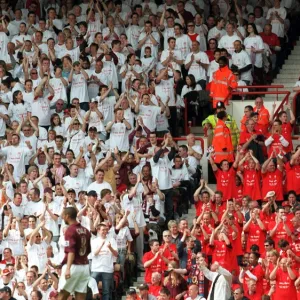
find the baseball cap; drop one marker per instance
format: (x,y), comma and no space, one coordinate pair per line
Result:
(143,286)
(286,203)
(220,104)
(270,194)
(93,128)
(6,289)
(71,191)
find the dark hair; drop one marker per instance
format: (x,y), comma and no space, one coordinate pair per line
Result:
(51,120)
(254,28)
(15,97)
(193,81)
(165,291)
(152,242)
(71,212)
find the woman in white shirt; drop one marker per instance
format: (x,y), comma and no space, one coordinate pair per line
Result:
(56,125)
(18,109)
(254,46)
(190,86)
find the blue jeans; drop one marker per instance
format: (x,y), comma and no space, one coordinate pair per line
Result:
(107,280)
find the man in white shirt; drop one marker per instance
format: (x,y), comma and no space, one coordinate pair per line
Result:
(197,63)
(72,181)
(218,31)
(276,16)
(148,38)
(37,247)
(16,155)
(171,55)
(104,254)
(99,184)
(241,59)
(227,40)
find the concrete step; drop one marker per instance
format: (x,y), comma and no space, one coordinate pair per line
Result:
(288,75)
(294,56)
(291,71)
(285,80)
(289,66)
(290,62)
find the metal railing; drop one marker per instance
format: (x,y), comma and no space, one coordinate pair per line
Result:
(260,90)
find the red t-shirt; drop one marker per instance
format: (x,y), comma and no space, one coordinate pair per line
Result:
(256,236)
(252,184)
(287,129)
(154,290)
(280,233)
(210,54)
(293,177)
(270,39)
(259,273)
(157,266)
(226,182)
(222,254)
(275,145)
(285,288)
(78,241)
(193,36)
(272,181)
(167,253)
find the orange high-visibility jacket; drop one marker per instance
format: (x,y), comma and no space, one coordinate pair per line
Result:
(222,143)
(263,117)
(222,82)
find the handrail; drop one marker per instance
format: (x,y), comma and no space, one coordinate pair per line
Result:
(285,99)
(294,104)
(197,138)
(187,123)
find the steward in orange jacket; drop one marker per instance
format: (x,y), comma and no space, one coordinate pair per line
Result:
(222,143)
(223,82)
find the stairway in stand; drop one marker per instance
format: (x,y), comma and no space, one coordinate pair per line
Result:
(190,216)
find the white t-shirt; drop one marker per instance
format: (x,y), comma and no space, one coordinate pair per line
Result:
(119,137)
(98,187)
(123,236)
(104,261)
(106,107)
(212,33)
(14,241)
(134,206)
(59,88)
(149,43)
(133,33)
(3,111)
(74,183)
(37,255)
(241,60)
(51,224)
(161,172)
(41,109)
(227,42)
(149,114)
(19,111)
(165,89)
(257,43)
(195,69)
(75,140)
(34,208)
(183,44)
(16,156)
(79,88)
(277,27)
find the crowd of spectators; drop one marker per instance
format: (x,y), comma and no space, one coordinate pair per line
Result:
(92,98)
